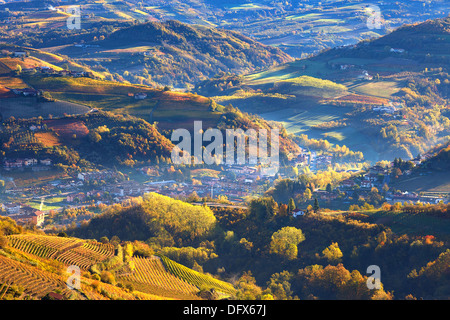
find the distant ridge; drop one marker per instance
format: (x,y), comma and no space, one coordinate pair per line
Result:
(194,52)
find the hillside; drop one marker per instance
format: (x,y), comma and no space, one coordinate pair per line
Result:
(298,28)
(89,141)
(431,176)
(38,58)
(33,266)
(388,86)
(285,252)
(177,54)
(167,109)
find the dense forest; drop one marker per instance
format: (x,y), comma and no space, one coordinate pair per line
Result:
(85,141)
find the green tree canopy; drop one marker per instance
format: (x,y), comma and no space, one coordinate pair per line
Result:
(284,242)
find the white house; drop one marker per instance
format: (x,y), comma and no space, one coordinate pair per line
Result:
(19,53)
(396,50)
(140,96)
(297,212)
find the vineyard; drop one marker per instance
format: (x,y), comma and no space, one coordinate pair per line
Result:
(149,275)
(150,278)
(196,278)
(69,251)
(36,283)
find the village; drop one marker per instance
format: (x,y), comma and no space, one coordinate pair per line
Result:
(231,187)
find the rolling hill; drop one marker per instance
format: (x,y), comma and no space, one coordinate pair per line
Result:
(295,27)
(173,53)
(33,266)
(168,110)
(432,176)
(392,81)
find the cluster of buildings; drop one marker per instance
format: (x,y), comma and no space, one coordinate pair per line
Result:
(313,160)
(26,92)
(319,162)
(413,197)
(33,163)
(391,107)
(23,214)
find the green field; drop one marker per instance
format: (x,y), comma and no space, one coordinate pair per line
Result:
(435,182)
(54,203)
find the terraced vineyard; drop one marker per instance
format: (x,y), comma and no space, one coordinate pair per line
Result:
(196,278)
(150,275)
(69,251)
(152,278)
(37,283)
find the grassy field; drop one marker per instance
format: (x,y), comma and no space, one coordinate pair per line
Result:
(54,203)
(67,127)
(435,182)
(381,89)
(301,121)
(29,62)
(12,82)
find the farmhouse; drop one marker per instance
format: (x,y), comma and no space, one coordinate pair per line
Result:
(76,197)
(29,215)
(13,163)
(27,92)
(29,162)
(20,53)
(46,69)
(140,96)
(348,183)
(297,212)
(397,50)
(365,76)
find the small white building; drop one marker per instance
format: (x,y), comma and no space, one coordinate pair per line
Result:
(20,53)
(397,50)
(297,212)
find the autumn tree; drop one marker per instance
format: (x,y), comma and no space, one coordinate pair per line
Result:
(279,285)
(333,253)
(291,205)
(247,288)
(284,242)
